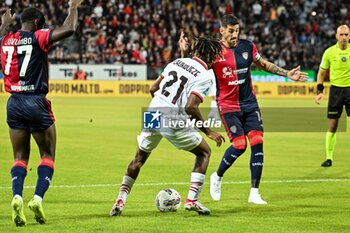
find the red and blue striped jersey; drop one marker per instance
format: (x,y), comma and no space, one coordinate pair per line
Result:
(235,91)
(24,61)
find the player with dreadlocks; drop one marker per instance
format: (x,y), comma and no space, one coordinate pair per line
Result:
(179,90)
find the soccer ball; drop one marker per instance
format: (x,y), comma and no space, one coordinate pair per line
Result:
(168,200)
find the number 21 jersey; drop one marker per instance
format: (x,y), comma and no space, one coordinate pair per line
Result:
(24,61)
(181,78)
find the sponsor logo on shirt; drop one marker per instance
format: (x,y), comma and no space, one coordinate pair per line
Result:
(236,82)
(22,88)
(227,72)
(241,71)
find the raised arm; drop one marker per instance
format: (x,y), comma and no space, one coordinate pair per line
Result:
(6,20)
(183,44)
(70,24)
(192,109)
(293,74)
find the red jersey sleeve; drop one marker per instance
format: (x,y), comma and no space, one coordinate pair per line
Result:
(43,37)
(256,54)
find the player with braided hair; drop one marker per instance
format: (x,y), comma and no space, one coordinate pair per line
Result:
(179,89)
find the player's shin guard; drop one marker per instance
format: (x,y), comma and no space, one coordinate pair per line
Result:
(256,164)
(45,173)
(230,156)
(18,173)
(197,180)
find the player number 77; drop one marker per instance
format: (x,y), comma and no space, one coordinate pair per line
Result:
(20,49)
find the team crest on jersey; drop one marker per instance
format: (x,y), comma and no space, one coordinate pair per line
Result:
(233,129)
(343,59)
(227,72)
(245,55)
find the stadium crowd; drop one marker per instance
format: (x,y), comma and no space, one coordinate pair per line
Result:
(147,31)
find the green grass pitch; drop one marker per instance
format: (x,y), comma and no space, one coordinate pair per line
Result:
(97,140)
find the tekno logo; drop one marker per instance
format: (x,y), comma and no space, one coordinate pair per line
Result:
(152,120)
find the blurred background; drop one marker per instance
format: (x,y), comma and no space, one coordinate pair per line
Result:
(146,32)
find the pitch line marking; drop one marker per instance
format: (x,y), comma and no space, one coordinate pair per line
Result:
(186,183)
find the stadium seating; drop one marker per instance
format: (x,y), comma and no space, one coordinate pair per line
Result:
(146,32)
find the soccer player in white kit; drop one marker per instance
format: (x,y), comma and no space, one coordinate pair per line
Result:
(177,93)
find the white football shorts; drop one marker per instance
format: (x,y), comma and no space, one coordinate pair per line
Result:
(182,139)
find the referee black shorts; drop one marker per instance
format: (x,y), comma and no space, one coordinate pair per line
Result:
(338,98)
